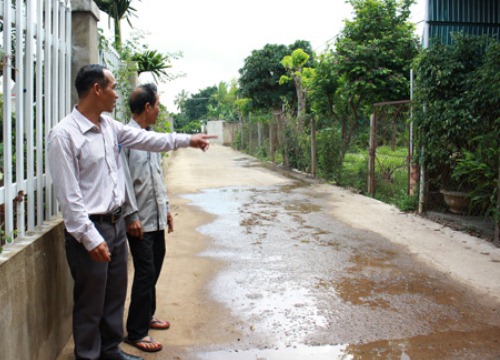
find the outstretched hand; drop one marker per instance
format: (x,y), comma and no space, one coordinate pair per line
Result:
(200,141)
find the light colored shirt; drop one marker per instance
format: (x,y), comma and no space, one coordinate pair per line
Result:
(85,168)
(148,200)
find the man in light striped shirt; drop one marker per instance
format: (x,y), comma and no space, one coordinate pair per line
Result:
(83,152)
(148,217)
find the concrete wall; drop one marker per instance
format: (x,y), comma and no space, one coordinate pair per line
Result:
(84,18)
(215,127)
(35,295)
(230,130)
(225,131)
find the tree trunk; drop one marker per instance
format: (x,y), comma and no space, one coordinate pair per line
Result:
(118,34)
(301,114)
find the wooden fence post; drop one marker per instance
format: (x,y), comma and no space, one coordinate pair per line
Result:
(313,147)
(250,137)
(496,238)
(271,139)
(372,151)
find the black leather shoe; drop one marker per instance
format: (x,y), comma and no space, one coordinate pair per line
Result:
(122,356)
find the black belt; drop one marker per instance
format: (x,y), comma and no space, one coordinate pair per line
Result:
(110,217)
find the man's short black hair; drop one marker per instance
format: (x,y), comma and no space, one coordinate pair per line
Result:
(145,93)
(88,76)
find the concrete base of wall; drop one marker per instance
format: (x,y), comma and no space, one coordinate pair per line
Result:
(36,295)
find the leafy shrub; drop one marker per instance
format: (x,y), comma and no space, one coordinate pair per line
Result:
(407,203)
(458,116)
(328,149)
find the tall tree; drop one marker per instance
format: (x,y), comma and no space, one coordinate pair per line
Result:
(307,48)
(301,76)
(375,51)
(260,74)
(180,100)
(370,62)
(197,105)
(223,106)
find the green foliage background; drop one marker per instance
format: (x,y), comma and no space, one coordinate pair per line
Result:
(458,117)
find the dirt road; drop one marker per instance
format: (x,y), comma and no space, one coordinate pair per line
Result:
(263,265)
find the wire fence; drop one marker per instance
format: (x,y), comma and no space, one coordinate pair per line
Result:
(381,161)
(390,151)
(380,168)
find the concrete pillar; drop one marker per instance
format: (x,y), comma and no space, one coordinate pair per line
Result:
(85,49)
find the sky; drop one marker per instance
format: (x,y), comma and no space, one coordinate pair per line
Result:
(216,36)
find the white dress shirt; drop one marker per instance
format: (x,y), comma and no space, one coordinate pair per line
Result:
(86,171)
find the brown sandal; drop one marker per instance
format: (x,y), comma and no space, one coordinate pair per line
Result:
(146,345)
(159,324)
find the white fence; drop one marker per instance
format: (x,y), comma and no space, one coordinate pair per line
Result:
(35,52)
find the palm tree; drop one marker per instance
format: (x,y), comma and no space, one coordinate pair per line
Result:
(117,10)
(154,62)
(180,100)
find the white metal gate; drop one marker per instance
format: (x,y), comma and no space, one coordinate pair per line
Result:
(35,54)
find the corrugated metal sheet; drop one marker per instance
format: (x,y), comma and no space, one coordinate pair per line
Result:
(478,17)
(468,11)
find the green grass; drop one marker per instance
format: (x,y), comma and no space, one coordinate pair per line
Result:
(391,175)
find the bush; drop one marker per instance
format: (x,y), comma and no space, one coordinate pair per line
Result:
(458,116)
(328,149)
(407,203)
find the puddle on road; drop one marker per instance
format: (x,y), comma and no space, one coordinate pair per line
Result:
(296,276)
(257,234)
(299,352)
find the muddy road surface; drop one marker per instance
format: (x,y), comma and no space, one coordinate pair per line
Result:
(264,264)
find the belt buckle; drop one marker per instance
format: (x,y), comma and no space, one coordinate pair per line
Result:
(115,215)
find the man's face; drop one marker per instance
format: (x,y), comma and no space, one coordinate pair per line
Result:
(154,111)
(108,94)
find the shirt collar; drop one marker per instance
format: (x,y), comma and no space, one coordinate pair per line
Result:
(134,123)
(82,122)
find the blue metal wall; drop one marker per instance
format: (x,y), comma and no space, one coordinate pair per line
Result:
(478,17)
